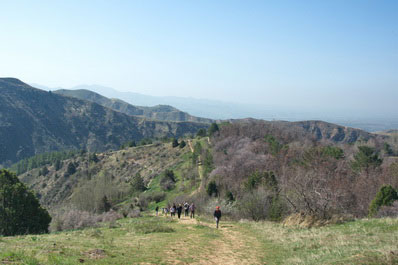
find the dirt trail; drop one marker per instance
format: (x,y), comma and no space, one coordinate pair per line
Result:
(229,248)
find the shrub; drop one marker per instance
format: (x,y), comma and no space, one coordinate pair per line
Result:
(388,211)
(174,143)
(137,183)
(76,219)
(20,211)
(183,144)
(168,180)
(255,205)
(365,158)
(212,188)
(385,197)
(201,132)
(213,129)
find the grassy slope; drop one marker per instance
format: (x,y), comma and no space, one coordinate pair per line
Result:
(160,240)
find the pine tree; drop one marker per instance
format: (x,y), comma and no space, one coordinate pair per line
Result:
(20,211)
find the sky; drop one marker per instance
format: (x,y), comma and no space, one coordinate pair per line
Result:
(317,55)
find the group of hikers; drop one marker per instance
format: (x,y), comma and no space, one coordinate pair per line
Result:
(189,210)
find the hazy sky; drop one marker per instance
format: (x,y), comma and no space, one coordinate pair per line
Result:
(323,54)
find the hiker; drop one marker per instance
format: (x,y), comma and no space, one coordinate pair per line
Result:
(192,209)
(217,215)
(157,210)
(186,209)
(173,210)
(166,210)
(179,210)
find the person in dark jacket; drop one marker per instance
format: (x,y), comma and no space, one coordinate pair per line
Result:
(186,209)
(179,210)
(192,209)
(217,215)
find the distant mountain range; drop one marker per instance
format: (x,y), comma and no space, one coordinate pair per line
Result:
(34,121)
(214,109)
(159,112)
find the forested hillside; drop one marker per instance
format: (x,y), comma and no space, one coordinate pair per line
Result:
(158,112)
(34,121)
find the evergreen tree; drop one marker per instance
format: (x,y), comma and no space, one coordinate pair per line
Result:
(137,183)
(174,143)
(201,132)
(183,144)
(384,197)
(212,188)
(365,158)
(213,129)
(20,211)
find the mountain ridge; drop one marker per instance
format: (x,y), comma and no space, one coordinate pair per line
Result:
(158,112)
(34,121)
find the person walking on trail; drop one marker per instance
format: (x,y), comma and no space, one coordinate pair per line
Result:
(179,210)
(186,209)
(192,209)
(173,210)
(217,215)
(157,210)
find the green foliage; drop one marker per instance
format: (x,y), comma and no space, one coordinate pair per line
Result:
(208,164)
(213,129)
(71,169)
(168,180)
(105,205)
(93,158)
(230,196)
(131,143)
(174,143)
(387,149)
(183,144)
(365,158)
(212,188)
(258,179)
(197,149)
(274,146)
(137,184)
(20,211)
(333,151)
(201,133)
(145,141)
(42,160)
(384,197)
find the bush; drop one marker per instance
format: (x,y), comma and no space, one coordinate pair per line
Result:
(168,180)
(174,143)
(137,184)
(365,158)
(201,132)
(388,211)
(212,188)
(20,211)
(385,197)
(183,144)
(255,205)
(76,219)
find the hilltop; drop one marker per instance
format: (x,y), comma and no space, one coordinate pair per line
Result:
(34,121)
(159,112)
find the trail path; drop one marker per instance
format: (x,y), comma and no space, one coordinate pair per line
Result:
(227,245)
